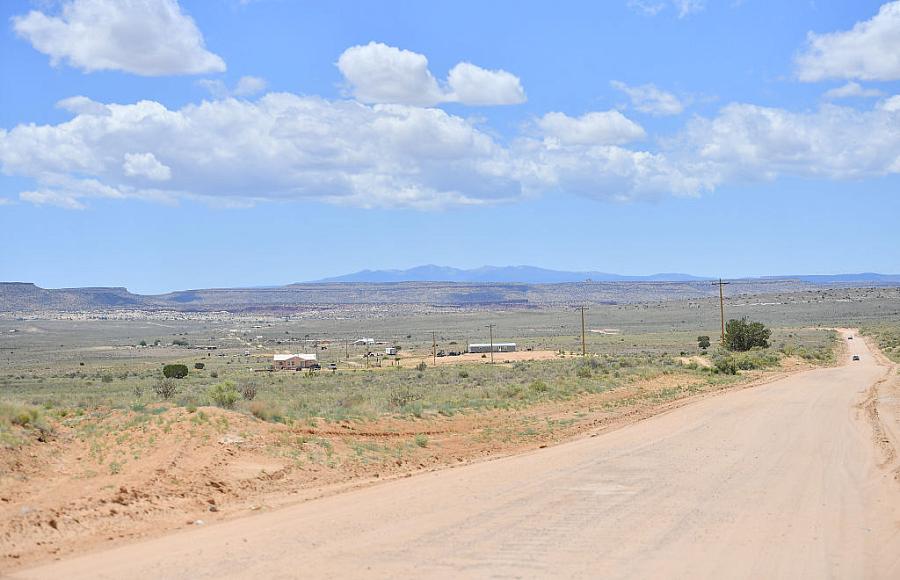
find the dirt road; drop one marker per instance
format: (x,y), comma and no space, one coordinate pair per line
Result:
(779,481)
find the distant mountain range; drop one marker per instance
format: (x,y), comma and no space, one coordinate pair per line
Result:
(535,275)
(498,274)
(840,278)
(427,286)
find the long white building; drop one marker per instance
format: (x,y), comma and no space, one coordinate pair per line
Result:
(498,347)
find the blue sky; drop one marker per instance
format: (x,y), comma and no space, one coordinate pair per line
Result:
(225,143)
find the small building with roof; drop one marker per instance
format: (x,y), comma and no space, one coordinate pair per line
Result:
(293,362)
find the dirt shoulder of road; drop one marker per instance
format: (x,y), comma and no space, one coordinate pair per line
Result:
(882,408)
(113,476)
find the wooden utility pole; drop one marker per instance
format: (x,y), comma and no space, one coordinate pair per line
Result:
(491,327)
(433,349)
(721,285)
(583,342)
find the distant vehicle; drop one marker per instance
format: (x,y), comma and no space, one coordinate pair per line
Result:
(856,357)
(314,367)
(849,338)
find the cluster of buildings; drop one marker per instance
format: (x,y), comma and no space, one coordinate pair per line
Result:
(301,361)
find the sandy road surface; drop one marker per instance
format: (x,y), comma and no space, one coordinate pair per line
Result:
(779,481)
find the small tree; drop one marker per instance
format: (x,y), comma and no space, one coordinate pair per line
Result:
(248,390)
(703,342)
(165,388)
(175,371)
(199,366)
(742,335)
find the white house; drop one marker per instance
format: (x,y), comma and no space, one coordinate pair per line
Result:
(391,351)
(293,362)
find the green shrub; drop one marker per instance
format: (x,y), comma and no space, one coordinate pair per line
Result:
(726,365)
(742,335)
(756,359)
(223,394)
(175,371)
(539,387)
(584,372)
(30,418)
(421,440)
(199,366)
(421,366)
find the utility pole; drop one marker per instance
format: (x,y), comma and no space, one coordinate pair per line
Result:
(433,350)
(583,342)
(491,327)
(721,285)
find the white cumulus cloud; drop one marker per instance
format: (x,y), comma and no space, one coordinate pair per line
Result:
(649,99)
(145,165)
(285,147)
(378,73)
(851,89)
(232,152)
(282,146)
(595,128)
(890,104)
(746,142)
(474,85)
(249,85)
(143,37)
(870,51)
(55,198)
(81,105)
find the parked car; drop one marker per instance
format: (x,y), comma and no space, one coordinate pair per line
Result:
(856,357)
